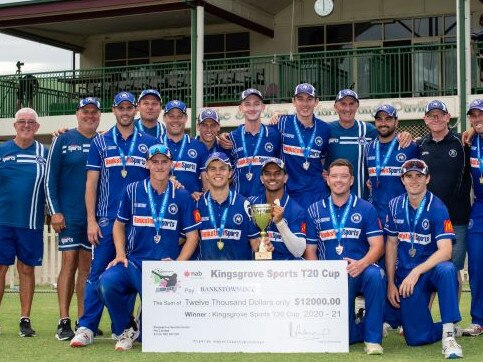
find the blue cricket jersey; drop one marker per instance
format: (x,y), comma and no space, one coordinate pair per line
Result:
(294,215)
(65,180)
(22,196)
(476,219)
(362,223)
(238,230)
(157,131)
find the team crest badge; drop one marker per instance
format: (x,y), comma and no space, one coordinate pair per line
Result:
(401,157)
(268,147)
(238,219)
(173,208)
(362,140)
(319,141)
(192,153)
(356,218)
(453,153)
(425,224)
(143,148)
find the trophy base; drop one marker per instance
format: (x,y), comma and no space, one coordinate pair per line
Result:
(263,255)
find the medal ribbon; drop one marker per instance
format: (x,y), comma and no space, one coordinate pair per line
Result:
(224,215)
(380,166)
(131,146)
(181,150)
(158,217)
(308,148)
(158,128)
(257,145)
(480,160)
(336,224)
(419,211)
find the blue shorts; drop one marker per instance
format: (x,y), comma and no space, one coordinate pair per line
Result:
(25,244)
(74,238)
(459,246)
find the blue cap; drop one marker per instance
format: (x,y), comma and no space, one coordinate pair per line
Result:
(251,91)
(435,105)
(218,156)
(149,92)
(160,149)
(89,100)
(346,93)
(276,161)
(390,110)
(208,113)
(175,104)
(414,165)
(304,88)
(476,104)
(124,97)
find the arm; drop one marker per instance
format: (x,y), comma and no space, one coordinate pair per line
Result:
(54,163)
(442,254)
(467,136)
(119,236)
(391,257)
(295,244)
(375,252)
(189,246)
(404,139)
(310,252)
(93,229)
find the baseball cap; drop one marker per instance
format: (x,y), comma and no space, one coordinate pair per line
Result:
(218,156)
(124,97)
(251,91)
(304,88)
(175,104)
(476,104)
(414,165)
(435,105)
(159,149)
(276,161)
(149,92)
(89,100)
(346,93)
(208,113)
(390,110)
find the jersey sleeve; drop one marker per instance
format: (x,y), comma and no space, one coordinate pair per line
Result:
(373,224)
(190,217)
(203,156)
(389,224)
(94,160)
(124,213)
(51,182)
(297,223)
(311,228)
(443,228)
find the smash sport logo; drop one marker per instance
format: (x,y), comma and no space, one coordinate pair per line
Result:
(165,281)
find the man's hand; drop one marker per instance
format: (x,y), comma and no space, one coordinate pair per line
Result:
(93,232)
(277,212)
(467,136)
(59,132)
(58,222)
(196,195)
(275,118)
(224,141)
(176,184)
(369,185)
(404,139)
(393,295)
(119,259)
(355,267)
(407,286)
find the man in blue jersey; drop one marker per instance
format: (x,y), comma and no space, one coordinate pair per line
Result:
(305,141)
(475,226)
(286,231)
(252,143)
(22,171)
(65,184)
(227,231)
(344,227)
(152,215)
(189,154)
(419,241)
(115,159)
(149,108)
(208,126)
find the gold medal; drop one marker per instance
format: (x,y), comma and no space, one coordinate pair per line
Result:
(123,173)
(220,244)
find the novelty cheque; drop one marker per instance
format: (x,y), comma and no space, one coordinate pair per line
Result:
(243,306)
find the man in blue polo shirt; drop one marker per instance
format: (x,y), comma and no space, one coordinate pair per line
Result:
(208,126)
(345,227)
(227,231)
(189,154)
(305,141)
(149,108)
(22,171)
(252,143)
(286,231)
(419,241)
(65,185)
(156,214)
(115,159)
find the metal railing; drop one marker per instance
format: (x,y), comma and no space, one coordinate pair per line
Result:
(410,71)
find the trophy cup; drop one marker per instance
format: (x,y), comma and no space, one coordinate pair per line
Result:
(262,215)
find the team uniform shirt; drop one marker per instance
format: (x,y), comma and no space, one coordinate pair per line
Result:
(361,223)
(65,181)
(157,132)
(188,163)
(246,162)
(22,195)
(388,185)
(349,143)
(433,224)
(476,221)
(104,156)
(294,215)
(236,234)
(134,209)
(301,179)
(215,148)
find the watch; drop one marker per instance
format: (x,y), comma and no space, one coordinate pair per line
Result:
(323,7)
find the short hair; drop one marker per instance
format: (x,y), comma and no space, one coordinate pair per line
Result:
(342,162)
(26,110)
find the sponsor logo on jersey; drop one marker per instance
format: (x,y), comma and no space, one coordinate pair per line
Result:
(229,234)
(421,239)
(303,228)
(147,221)
(448,226)
(184,166)
(347,233)
(453,153)
(197,216)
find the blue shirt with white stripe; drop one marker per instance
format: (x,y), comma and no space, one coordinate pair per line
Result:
(349,143)
(104,157)
(65,181)
(22,196)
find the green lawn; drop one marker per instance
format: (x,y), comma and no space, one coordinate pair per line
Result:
(45,347)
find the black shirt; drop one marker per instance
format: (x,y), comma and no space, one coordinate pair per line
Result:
(449,166)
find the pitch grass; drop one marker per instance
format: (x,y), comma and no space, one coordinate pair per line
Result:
(45,347)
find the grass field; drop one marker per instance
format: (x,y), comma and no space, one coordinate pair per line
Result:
(45,347)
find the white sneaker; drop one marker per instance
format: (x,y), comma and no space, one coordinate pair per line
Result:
(386,329)
(451,349)
(83,337)
(373,348)
(126,339)
(401,331)
(473,330)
